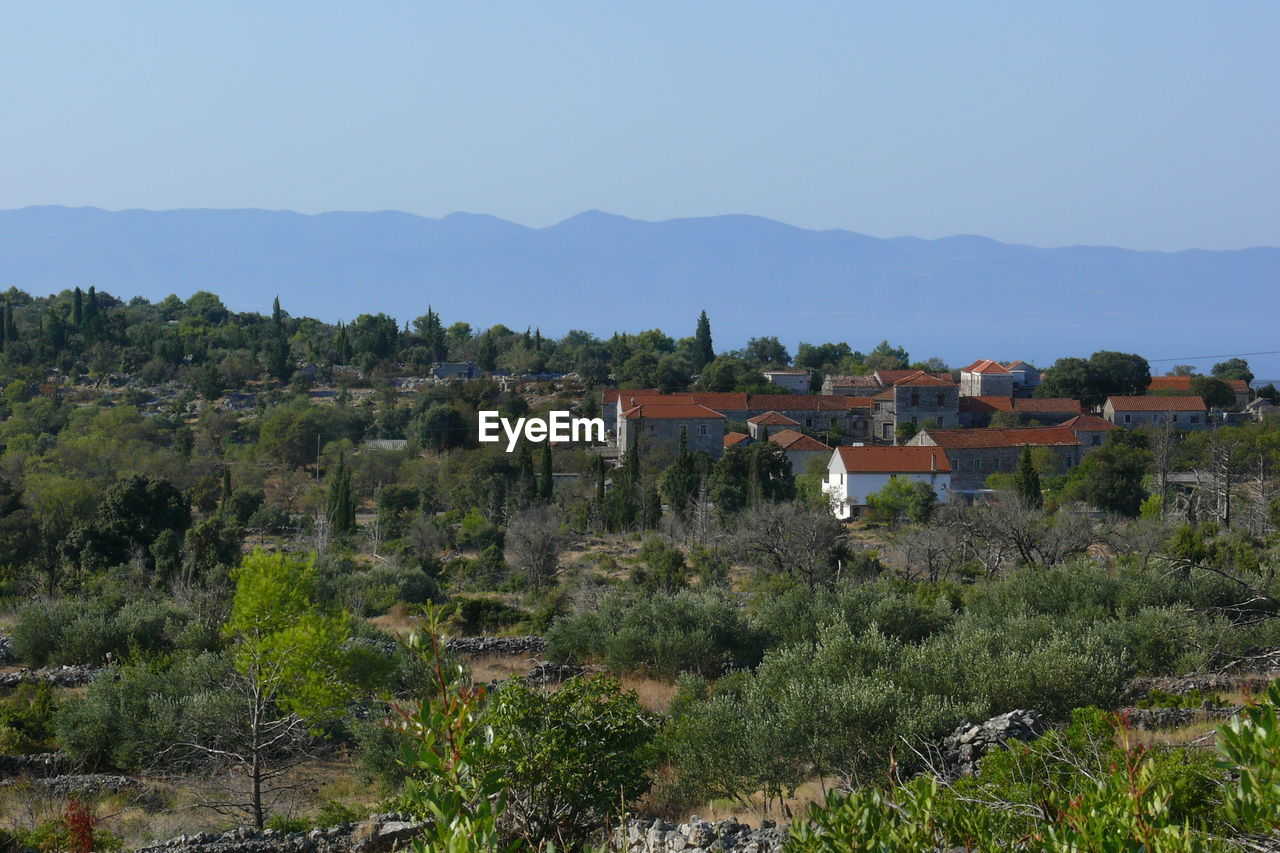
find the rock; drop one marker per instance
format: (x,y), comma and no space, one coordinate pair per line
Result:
(964,747)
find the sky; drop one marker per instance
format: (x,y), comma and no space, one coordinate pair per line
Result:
(1148,125)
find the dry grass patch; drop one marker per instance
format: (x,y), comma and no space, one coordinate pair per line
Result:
(654,695)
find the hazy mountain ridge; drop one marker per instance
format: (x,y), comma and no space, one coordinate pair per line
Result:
(959,297)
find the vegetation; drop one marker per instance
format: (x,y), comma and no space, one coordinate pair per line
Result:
(189,501)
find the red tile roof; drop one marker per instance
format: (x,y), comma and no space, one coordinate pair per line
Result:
(992,437)
(985,365)
(1182,384)
(1088,423)
(797,402)
(1156,403)
(732,438)
(789,439)
(894,460)
(677,411)
(986,405)
(773,419)
(611,395)
(919,377)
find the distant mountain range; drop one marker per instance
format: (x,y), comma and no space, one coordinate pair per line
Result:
(960,298)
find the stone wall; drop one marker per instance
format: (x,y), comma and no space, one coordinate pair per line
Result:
(496,645)
(698,836)
(378,834)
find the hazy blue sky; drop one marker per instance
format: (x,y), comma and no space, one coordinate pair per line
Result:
(1141,124)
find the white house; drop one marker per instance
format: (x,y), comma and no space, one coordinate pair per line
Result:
(855,472)
(795,381)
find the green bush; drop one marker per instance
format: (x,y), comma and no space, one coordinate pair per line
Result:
(72,631)
(704,631)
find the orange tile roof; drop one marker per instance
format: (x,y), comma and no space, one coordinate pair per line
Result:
(773,419)
(1088,423)
(611,395)
(986,404)
(1156,403)
(894,460)
(992,437)
(677,411)
(985,365)
(919,377)
(1054,405)
(789,439)
(1182,384)
(732,438)
(797,402)
(858,402)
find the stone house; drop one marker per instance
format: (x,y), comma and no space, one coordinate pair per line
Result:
(654,425)
(769,422)
(986,378)
(801,449)
(855,472)
(1182,412)
(851,386)
(1026,379)
(795,381)
(976,454)
(1045,411)
(1090,429)
(848,415)
(919,399)
(733,439)
(1181,385)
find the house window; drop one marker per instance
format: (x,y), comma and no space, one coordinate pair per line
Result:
(1195,419)
(702,430)
(808,422)
(1097,440)
(977,464)
(915,398)
(885,430)
(942,421)
(649,427)
(913,421)
(1128,419)
(942,399)
(1175,417)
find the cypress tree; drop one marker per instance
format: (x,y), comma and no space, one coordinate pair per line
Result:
(77,307)
(599,466)
(226,488)
(341,504)
(1027,480)
(546,483)
(91,306)
(703,350)
(528,480)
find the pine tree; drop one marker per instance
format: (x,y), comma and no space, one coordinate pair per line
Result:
(341,504)
(77,307)
(703,351)
(1027,480)
(546,482)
